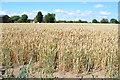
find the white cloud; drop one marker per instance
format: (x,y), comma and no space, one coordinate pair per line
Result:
(74,15)
(104,16)
(2,13)
(59,10)
(86,13)
(105,13)
(13,14)
(78,11)
(70,13)
(98,6)
(29,14)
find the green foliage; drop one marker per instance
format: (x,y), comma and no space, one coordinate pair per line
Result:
(75,21)
(29,20)
(49,18)
(80,21)
(24,18)
(64,21)
(61,21)
(23,72)
(39,17)
(84,22)
(113,20)
(95,21)
(104,20)
(13,19)
(69,21)
(19,21)
(48,69)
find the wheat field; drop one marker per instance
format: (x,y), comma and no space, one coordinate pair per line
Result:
(71,47)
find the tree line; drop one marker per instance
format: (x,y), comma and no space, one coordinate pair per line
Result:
(49,18)
(93,21)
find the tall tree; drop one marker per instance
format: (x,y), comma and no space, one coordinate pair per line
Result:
(95,21)
(49,18)
(24,18)
(113,20)
(79,21)
(39,17)
(104,20)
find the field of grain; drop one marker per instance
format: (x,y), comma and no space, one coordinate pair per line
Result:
(70,47)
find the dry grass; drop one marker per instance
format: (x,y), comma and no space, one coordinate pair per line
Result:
(80,48)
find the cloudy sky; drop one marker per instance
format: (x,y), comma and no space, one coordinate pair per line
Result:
(63,10)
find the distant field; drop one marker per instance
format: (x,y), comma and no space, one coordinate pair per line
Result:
(72,47)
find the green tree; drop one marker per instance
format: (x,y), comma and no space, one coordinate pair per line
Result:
(24,18)
(61,21)
(80,21)
(104,20)
(39,17)
(84,22)
(28,20)
(95,21)
(69,21)
(14,19)
(113,20)
(49,18)
(20,21)
(75,22)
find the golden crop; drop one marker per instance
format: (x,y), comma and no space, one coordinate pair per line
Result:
(61,46)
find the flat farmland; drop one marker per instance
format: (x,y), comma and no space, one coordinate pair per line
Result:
(45,49)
